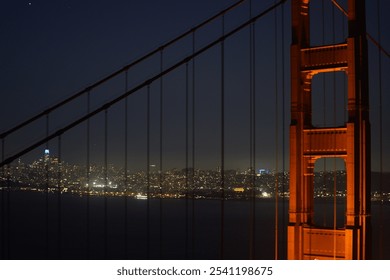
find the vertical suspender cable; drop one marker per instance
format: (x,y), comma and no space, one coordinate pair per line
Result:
(381,228)
(334,160)
(5,208)
(283,135)
(250,239)
(323,76)
(87,241)
(8,250)
(345,89)
(126,167)
(222,140)
(46,161)
(105,183)
(254,139)
(324,105)
(161,151)
(187,164)
(2,201)
(345,107)
(193,150)
(252,134)
(5,205)
(59,202)
(276,245)
(148,172)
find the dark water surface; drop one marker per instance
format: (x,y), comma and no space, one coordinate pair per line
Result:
(178,229)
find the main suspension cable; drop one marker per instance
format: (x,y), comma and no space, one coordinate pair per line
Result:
(123,69)
(141,85)
(376,43)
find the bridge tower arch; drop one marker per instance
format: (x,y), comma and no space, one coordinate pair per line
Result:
(351,141)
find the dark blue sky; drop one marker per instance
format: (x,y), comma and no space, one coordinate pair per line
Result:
(51,49)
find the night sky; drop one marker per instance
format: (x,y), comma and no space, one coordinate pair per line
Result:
(52,49)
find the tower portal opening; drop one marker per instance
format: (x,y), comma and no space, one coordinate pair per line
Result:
(329,99)
(329,193)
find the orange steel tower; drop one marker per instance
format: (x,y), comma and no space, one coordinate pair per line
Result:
(351,142)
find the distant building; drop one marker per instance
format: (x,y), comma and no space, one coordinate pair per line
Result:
(46,156)
(263,171)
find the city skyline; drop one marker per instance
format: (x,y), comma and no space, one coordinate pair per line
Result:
(47,173)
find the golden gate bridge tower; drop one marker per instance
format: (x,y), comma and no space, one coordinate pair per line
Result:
(350,142)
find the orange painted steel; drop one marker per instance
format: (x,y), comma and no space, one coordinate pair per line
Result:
(351,142)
